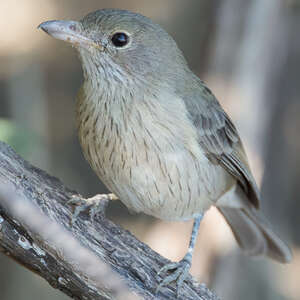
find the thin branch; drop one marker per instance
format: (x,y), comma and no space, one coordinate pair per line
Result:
(52,237)
(35,231)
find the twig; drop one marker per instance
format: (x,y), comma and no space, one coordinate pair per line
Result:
(54,238)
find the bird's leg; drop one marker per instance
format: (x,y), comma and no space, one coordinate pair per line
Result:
(93,205)
(180,270)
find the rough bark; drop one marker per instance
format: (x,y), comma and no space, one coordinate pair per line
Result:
(35,231)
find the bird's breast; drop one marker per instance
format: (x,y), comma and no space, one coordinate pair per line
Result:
(148,158)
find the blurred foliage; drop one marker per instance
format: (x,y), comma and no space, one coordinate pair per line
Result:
(22,140)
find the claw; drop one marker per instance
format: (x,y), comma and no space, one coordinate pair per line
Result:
(94,205)
(179,273)
(181,269)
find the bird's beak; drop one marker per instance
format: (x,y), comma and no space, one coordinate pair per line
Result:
(69,31)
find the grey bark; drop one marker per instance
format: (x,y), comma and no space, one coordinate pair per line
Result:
(35,231)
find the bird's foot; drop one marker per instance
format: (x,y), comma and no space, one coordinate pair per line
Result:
(180,271)
(94,205)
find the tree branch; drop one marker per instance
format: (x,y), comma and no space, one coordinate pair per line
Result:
(35,231)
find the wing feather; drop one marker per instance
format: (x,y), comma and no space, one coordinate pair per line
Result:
(219,138)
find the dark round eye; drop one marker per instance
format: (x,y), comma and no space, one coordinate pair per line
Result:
(120,39)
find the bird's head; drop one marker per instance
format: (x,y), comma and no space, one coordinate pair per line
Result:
(123,47)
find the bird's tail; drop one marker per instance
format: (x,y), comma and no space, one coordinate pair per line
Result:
(254,235)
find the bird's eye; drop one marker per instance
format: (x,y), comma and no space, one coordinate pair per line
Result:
(120,39)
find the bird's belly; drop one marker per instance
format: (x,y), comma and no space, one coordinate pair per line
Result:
(166,185)
(179,192)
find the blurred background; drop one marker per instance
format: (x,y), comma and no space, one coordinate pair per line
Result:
(248,52)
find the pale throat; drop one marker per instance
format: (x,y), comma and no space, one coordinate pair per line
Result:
(105,99)
(102,71)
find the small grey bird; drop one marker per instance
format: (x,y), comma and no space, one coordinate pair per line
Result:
(156,135)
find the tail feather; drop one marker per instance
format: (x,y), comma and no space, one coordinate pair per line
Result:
(254,235)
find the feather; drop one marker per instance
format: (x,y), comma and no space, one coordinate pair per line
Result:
(219,138)
(220,141)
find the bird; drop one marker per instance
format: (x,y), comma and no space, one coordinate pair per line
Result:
(156,135)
